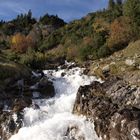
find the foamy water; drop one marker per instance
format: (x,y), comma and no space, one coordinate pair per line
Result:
(52,120)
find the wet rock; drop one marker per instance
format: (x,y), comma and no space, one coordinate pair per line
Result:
(20,104)
(43,82)
(114,106)
(105,71)
(55,63)
(11,116)
(63,74)
(124,125)
(10,124)
(35,106)
(46,88)
(73,133)
(129,62)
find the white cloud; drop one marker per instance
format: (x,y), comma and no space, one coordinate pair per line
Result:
(12,6)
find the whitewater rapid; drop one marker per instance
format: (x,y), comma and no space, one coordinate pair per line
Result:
(52,119)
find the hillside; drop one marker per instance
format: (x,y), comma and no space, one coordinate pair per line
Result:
(97,35)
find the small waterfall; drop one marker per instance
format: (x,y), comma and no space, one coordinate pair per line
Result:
(53,118)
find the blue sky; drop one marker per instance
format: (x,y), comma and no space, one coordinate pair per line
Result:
(66,9)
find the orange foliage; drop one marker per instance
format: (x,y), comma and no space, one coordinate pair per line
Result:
(72,52)
(100,25)
(20,43)
(120,32)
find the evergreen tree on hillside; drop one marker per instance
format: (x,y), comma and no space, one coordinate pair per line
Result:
(51,20)
(111,4)
(23,23)
(131,9)
(119,2)
(114,10)
(1,22)
(29,15)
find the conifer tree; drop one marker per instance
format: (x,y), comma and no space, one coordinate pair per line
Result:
(111,4)
(131,9)
(119,2)
(29,15)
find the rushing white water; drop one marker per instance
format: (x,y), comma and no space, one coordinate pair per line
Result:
(52,120)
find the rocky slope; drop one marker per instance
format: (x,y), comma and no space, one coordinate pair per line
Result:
(125,63)
(113,106)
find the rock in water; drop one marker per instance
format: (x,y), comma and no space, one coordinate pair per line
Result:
(10,124)
(46,87)
(73,133)
(114,106)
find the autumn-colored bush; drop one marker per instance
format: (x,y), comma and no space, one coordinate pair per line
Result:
(20,43)
(101,26)
(120,33)
(72,52)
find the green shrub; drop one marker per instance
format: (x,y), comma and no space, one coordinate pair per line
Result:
(52,41)
(103,51)
(87,52)
(12,56)
(52,20)
(32,59)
